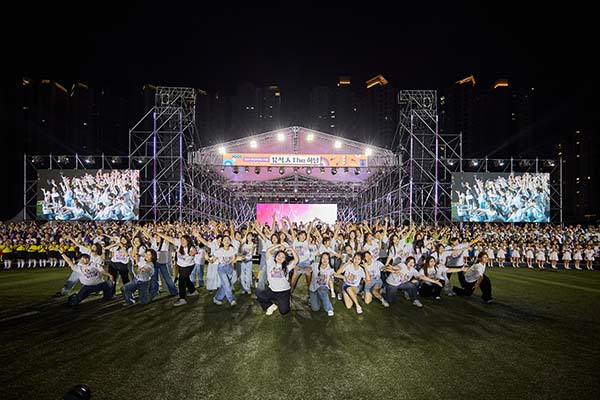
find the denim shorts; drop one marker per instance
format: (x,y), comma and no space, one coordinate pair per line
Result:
(346,286)
(303,264)
(369,286)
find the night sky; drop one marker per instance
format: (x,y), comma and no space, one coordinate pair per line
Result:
(301,45)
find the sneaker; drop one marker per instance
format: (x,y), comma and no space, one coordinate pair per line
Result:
(385,303)
(272,308)
(330,313)
(489,301)
(58,294)
(233,303)
(450,294)
(339,296)
(438,298)
(217,302)
(417,303)
(196,293)
(406,296)
(359,310)
(180,302)
(128,303)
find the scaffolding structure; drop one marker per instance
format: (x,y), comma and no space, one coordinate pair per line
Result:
(425,184)
(179,181)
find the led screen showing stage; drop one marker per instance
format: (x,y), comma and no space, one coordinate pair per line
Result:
(69,195)
(500,197)
(296,212)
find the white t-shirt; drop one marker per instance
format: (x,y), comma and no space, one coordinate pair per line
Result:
(183,260)
(320,277)
(94,258)
(200,256)
(145,275)
(455,256)
(246,251)
(474,272)
(119,255)
(277,277)
(352,276)
(435,274)
(404,275)
(225,256)
(302,250)
(372,248)
(374,270)
(90,274)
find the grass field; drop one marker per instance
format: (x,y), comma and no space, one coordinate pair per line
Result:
(540,340)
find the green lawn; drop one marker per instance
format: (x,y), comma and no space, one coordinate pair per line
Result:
(539,340)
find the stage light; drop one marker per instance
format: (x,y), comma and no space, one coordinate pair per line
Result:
(310,137)
(62,159)
(89,160)
(36,159)
(235,169)
(549,163)
(356,171)
(257,170)
(280,137)
(524,163)
(451,162)
(322,170)
(253,144)
(333,171)
(368,151)
(499,163)
(115,160)
(222,150)
(269,169)
(281,170)
(246,169)
(368,170)
(223,168)
(474,163)
(337,144)
(139,160)
(308,170)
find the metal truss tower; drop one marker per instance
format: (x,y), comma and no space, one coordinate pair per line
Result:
(427,155)
(158,147)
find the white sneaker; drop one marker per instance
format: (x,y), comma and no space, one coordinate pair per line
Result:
(438,298)
(359,310)
(339,296)
(272,308)
(330,313)
(233,303)
(417,303)
(406,296)
(180,302)
(196,293)
(217,302)
(450,294)
(385,303)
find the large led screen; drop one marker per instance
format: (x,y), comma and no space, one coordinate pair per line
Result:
(500,197)
(93,195)
(296,212)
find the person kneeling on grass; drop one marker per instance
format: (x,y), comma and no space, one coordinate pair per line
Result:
(402,277)
(90,276)
(321,285)
(352,272)
(277,276)
(437,272)
(141,282)
(475,278)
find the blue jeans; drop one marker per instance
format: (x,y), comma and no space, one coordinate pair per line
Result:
(320,298)
(131,287)
(408,287)
(105,287)
(198,274)
(164,270)
(262,278)
(225,273)
(70,283)
(246,275)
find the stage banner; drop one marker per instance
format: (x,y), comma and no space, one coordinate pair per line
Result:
(295,160)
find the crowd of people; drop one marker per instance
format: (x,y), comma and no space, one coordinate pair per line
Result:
(105,195)
(516,198)
(353,262)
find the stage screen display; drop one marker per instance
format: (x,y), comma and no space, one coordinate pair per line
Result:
(296,212)
(500,197)
(96,195)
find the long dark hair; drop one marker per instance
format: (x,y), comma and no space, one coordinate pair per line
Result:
(153,254)
(426,265)
(284,264)
(188,239)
